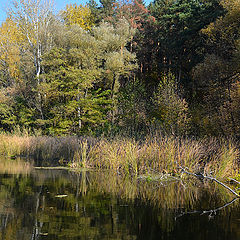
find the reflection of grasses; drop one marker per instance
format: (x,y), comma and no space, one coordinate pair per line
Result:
(118,205)
(127,156)
(172,198)
(172,195)
(14,167)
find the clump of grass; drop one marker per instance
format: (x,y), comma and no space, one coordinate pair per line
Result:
(165,155)
(158,155)
(224,162)
(191,154)
(81,155)
(119,155)
(12,146)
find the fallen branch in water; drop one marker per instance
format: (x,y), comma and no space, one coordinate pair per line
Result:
(209,178)
(217,181)
(234,180)
(212,211)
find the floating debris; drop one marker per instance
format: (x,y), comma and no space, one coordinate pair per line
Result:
(44,234)
(61,196)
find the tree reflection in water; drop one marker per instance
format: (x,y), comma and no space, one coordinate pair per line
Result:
(59,204)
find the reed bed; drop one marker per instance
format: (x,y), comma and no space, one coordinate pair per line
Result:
(161,155)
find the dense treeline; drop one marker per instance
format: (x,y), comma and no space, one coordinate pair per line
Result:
(122,66)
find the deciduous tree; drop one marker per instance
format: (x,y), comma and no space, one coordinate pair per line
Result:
(78,14)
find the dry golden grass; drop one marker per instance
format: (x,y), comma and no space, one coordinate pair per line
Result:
(126,156)
(14,145)
(225,160)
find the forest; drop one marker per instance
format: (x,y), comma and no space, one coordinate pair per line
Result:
(120,120)
(121,67)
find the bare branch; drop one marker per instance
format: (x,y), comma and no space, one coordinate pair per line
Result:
(211,211)
(209,178)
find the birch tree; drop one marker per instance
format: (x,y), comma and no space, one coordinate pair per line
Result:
(34,18)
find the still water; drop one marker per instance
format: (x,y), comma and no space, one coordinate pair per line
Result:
(60,204)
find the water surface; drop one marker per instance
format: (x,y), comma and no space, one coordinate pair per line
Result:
(61,204)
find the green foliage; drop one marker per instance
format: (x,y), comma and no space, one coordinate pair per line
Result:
(131,107)
(177,35)
(216,78)
(170,109)
(74,99)
(96,12)
(107,8)
(7,117)
(81,75)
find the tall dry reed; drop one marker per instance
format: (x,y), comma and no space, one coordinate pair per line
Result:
(159,155)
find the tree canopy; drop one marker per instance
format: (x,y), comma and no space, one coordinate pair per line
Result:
(121,65)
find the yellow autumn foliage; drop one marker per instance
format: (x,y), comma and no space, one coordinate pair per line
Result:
(10,42)
(78,14)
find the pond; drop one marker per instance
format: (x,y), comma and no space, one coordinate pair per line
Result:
(61,204)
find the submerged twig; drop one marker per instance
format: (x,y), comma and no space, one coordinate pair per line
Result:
(219,208)
(211,211)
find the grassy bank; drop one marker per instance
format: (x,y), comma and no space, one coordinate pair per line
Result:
(161,155)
